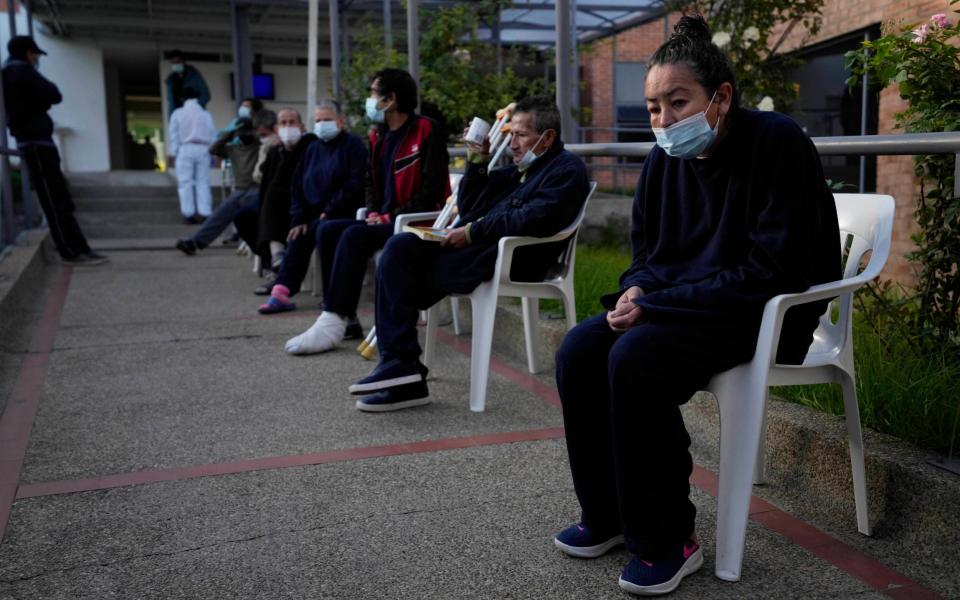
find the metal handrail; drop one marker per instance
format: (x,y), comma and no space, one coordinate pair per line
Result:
(871,145)
(907,144)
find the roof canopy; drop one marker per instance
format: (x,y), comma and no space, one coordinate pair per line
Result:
(279,27)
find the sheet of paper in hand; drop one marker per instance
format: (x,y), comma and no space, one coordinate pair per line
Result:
(426,232)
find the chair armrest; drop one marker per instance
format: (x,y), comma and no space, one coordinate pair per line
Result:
(776,308)
(508,244)
(405,219)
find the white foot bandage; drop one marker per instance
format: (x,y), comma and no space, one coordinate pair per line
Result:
(322,336)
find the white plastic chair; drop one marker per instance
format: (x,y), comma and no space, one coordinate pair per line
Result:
(361,215)
(741,392)
(484,298)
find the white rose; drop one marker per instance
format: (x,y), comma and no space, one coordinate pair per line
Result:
(766,104)
(721,38)
(751,34)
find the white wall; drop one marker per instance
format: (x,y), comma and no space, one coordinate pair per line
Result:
(289,81)
(77,69)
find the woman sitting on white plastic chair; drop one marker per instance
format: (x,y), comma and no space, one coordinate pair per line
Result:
(731,210)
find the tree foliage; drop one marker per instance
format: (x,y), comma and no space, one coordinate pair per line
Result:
(458,71)
(751,32)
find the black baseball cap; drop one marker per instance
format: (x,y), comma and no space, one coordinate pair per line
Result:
(19,45)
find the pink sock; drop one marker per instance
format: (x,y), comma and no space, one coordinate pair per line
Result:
(281,292)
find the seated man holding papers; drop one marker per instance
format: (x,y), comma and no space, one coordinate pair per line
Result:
(539,195)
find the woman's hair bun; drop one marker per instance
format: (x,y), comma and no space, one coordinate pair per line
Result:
(692,27)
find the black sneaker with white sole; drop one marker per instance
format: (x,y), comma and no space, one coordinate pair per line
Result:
(396,398)
(390,374)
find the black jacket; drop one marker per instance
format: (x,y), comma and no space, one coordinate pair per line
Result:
(498,204)
(28,96)
(275,189)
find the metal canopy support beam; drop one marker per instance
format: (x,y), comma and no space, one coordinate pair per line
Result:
(413,42)
(29,9)
(12,16)
(387,25)
(575,72)
(313,18)
(242,53)
(563,70)
(334,48)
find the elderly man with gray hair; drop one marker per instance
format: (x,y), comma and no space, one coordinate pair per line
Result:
(327,185)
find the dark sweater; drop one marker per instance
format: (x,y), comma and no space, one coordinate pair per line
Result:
(497,204)
(28,96)
(329,179)
(716,238)
(275,189)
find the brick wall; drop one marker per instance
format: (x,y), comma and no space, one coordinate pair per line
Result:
(895,174)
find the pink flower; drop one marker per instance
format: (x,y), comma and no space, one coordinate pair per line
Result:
(920,33)
(940,21)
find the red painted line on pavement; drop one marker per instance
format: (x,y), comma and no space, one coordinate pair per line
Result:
(823,545)
(841,555)
(17,420)
(283,462)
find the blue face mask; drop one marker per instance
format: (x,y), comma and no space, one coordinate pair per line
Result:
(243,112)
(529,156)
(326,130)
(690,137)
(373,113)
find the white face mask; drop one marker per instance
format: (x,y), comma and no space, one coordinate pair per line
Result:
(289,135)
(373,113)
(690,137)
(243,112)
(177,67)
(529,156)
(326,130)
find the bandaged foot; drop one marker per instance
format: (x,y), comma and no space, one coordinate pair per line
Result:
(322,336)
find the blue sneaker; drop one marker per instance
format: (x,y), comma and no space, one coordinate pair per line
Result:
(390,374)
(396,398)
(656,577)
(584,542)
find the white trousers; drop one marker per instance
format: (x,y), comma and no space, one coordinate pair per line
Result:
(193,180)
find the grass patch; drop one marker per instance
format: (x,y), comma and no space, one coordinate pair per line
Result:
(904,392)
(596,272)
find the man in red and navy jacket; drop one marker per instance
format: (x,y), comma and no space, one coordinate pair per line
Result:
(408,173)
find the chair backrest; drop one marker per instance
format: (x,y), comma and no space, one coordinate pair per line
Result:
(567,258)
(866,221)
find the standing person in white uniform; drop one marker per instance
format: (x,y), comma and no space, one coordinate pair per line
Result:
(191,133)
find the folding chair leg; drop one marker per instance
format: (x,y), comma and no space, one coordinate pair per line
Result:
(741,419)
(430,336)
(531,332)
(855,438)
(484,309)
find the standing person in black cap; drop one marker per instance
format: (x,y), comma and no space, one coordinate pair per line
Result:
(28,96)
(181,77)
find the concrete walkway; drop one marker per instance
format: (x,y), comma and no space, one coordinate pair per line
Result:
(158,443)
